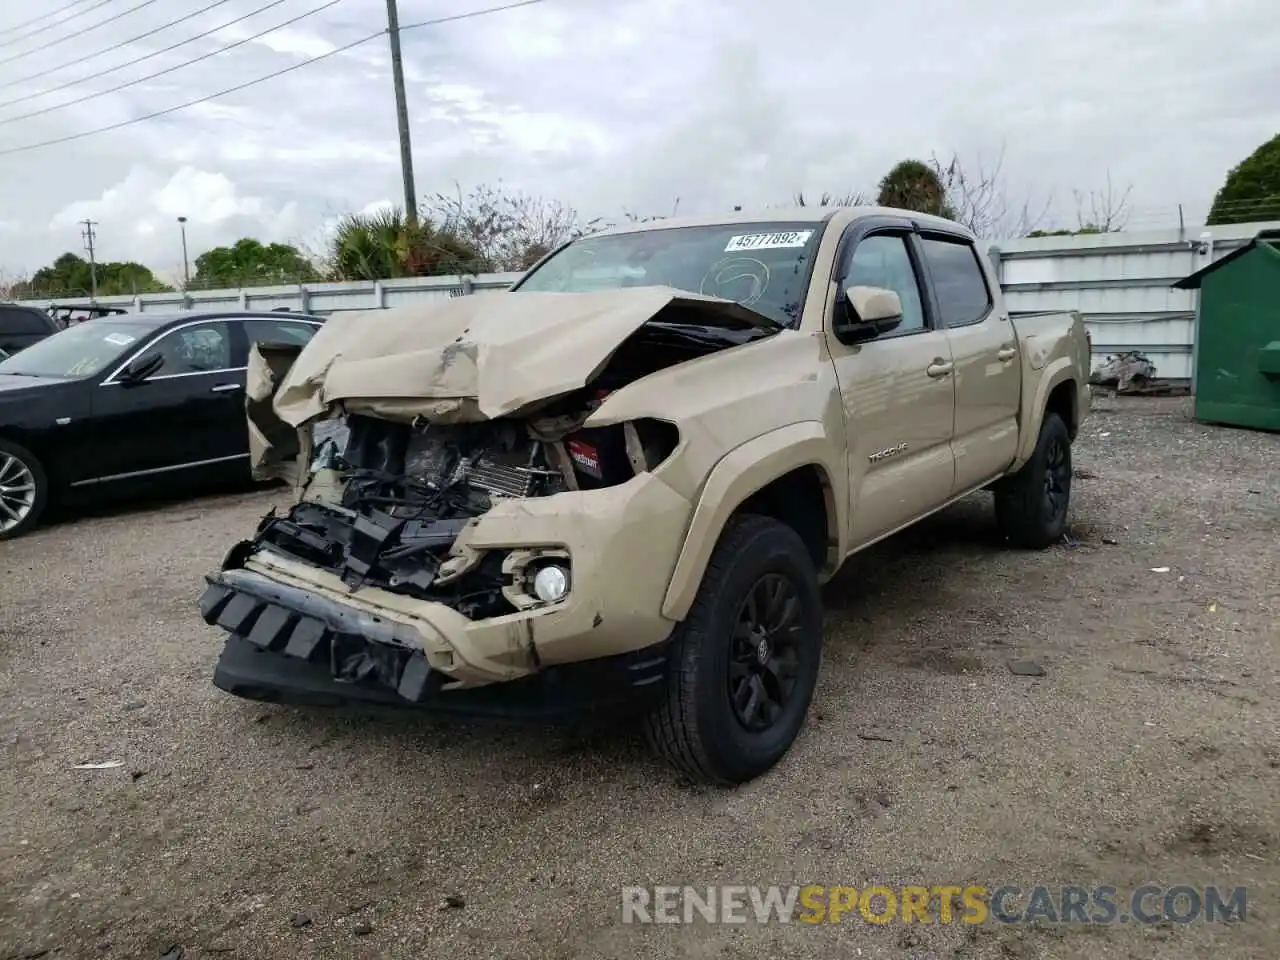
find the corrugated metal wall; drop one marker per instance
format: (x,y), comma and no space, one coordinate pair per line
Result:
(1119,281)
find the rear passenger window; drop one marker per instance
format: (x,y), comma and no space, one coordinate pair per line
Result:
(963,296)
(18,320)
(279,331)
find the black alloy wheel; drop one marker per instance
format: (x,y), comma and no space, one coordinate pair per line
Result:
(765,658)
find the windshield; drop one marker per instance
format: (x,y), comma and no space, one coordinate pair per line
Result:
(764,266)
(79,351)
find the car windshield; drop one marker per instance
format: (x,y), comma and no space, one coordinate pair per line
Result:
(78,351)
(764,266)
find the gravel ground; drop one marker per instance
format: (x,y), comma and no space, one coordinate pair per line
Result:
(1148,751)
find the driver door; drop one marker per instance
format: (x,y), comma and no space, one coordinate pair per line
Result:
(898,394)
(189,413)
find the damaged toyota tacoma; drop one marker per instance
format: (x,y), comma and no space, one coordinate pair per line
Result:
(625,479)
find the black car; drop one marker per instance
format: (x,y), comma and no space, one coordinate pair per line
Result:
(128,399)
(21,326)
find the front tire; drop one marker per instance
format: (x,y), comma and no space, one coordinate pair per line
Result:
(24,490)
(745,662)
(1031,505)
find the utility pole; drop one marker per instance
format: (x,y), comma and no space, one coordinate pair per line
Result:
(402,115)
(93,266)
(186,264)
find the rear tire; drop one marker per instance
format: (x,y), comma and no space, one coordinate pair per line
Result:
(1032,504)
(745,662)
(24,490)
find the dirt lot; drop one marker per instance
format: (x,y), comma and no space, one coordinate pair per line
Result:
(1148,751)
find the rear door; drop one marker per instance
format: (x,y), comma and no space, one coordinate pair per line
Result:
(984,349)
(897,391)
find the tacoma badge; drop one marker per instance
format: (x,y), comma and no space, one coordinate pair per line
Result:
(888,452)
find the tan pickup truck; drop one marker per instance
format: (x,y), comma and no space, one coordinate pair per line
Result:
(625,479)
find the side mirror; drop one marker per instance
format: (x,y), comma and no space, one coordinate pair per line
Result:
(140,369)
(867,312)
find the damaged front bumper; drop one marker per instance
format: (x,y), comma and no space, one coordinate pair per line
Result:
(290,646)
(303,632)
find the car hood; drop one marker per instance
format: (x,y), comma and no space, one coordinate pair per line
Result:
(13,382)
(478,357)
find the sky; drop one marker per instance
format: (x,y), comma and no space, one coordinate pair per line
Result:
(646,106)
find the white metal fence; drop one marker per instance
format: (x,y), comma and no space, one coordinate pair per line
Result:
(1120,282)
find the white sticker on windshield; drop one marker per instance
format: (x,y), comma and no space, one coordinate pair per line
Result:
(768,241)
(119,339)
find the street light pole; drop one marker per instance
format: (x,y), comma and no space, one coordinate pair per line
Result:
(402,115)
(186,267)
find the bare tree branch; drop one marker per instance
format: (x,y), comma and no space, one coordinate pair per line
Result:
(978,196)
(510,229)
(854,198)
(1108,210)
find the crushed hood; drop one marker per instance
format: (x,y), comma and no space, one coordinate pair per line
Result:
(477,357)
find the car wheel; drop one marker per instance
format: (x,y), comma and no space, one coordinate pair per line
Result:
(745,662)
(1031,505)
(24,490)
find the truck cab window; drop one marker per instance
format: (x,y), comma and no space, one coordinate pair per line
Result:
(883,261)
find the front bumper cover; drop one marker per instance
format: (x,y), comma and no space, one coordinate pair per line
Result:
(293,646)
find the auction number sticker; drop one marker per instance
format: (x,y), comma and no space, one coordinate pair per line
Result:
(768,241)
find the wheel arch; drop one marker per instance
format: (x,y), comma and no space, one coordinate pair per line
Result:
(787,474)
(27,441)
(38,447)
(1056,391)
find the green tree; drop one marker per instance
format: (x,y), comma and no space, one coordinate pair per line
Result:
(914,185)
(70,276)
(385,245)
(249,263)
(1252,188)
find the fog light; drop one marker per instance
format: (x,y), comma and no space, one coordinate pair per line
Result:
(551,584)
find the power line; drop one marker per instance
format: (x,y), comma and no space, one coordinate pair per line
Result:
(44,16)
(124,43)
(166,70)
(71,36)
(199,100)
(252,83)
(137,60)
(50,26)
(467,16)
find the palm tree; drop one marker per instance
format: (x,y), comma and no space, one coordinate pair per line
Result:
(385,245)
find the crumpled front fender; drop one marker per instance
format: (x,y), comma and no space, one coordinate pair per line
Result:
(275,448)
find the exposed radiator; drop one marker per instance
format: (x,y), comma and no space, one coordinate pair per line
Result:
(501,479)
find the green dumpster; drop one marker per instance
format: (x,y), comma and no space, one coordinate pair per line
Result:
(1237,376)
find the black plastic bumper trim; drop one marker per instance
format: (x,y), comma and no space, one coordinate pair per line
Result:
(288,645)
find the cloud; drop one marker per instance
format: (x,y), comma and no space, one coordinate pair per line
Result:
(143,209)
(627,105)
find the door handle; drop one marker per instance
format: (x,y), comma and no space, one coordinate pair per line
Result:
(939,368)
(1006,353)
(224,388)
